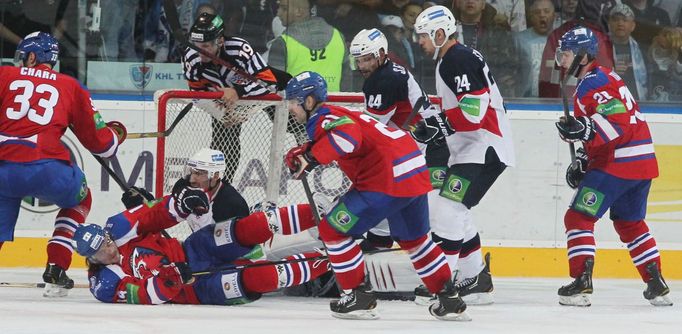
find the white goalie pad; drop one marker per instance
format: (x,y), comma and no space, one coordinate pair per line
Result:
(391,272)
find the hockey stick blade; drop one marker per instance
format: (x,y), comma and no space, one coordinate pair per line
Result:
(35,285)
(174,23)
(167,132)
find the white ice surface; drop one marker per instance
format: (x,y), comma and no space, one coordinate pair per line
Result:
(522,306)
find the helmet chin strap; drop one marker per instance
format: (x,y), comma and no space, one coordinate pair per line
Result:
(437,50)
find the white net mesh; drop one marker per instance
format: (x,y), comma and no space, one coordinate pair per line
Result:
(253,147)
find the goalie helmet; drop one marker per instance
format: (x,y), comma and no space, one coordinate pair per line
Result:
(434,18)
(89,238)
(211,161)
(43,45)
(206,28)
(307,84)
(368,41)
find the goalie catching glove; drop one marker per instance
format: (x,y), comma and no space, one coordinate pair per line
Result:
(432,129)
(573,129)
(189,199)
(577,169)
(300,160)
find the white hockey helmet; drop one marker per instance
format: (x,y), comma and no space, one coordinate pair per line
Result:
(368,41)
(212,161)
(434,18)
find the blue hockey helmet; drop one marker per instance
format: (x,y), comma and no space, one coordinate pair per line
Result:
(307,84)
(89,238)
(42,44)
(580,38)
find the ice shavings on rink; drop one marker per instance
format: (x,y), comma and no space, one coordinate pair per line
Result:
(522,305)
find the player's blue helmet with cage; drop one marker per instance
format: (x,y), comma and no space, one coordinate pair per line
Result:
(307,84)
(42,44)
(580,38)
(89,238)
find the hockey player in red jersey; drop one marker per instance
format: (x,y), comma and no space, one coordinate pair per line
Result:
(37,105)
(614,173)
(131,262)
(476,129)
(389,180)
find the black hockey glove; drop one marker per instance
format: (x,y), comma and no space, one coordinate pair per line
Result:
(190,200)
(136,196)
(576,170)
(185,272)
(573,129)
(433,129)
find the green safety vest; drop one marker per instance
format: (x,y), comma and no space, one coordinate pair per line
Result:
(328,61)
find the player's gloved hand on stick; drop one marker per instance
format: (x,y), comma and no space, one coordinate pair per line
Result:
(136,196)
(119,129)
(577,169)
(432,129)
(573,129)
(299,160)
(185,272)
(189,200)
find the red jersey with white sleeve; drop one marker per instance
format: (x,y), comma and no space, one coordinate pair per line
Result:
(143,273)
(622,145)
(375,157)
(474,107)
(37,105)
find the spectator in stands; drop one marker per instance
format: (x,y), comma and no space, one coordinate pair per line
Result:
(117,26)
(650,20)
(424,66)
(531,42)
(477,28)
(566,12)
(513,11)
(666,56)
(350,16)
(591,14)
(628,58)
(310,43)
(400,51)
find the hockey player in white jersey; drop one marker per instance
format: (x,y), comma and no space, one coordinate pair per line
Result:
(476,129)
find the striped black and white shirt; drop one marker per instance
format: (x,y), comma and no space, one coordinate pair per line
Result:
(210,76)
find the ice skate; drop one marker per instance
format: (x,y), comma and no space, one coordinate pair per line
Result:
(57,283)
(578,292)
(360,303)
(449,306)
(657,291)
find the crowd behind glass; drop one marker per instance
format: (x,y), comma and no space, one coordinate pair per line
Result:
(640,39)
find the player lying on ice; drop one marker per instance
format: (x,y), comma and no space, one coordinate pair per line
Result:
(129,261)
(390,181)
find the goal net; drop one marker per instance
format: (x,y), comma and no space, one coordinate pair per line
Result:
(254,134)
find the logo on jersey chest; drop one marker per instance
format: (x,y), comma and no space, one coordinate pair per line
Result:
(144,262)
(141,75)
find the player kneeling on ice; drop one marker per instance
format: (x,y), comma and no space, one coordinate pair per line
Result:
(614,171)
(390,180)
(129,261)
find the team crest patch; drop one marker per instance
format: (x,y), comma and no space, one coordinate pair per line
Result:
(589,201)
(141,75)
(455,188)
(99,122)
(341,218)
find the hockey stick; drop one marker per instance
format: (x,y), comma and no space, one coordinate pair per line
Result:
(269,263)
(415,109)
(574,65)
(35,285)
(311,200)
(181,39)
(168,131)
